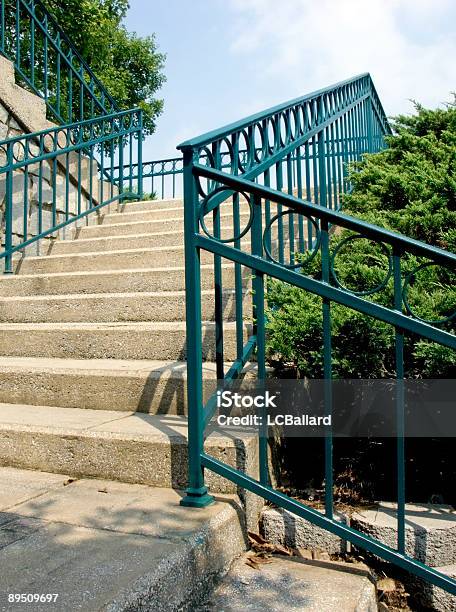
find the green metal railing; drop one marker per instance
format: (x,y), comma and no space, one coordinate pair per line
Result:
(48,63)
(54,178)
(163,177)
(269,213)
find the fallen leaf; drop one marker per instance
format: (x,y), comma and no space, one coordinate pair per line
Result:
(69,481)
(386,584)
(261,560)
(256,537)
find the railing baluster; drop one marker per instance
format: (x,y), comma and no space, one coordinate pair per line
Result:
(259,332)
(9,209)
(399,354)
(218,283)
(196,492)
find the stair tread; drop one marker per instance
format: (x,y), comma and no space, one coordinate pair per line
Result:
(20,277)
(88,325)
(103,423)
(122,237)
(106,253)
(90,296)
(111,367)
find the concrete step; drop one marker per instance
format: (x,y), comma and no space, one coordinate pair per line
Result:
(111,281)
(103,545)
(427,527)
(112,307)
(159,257)
(430,537)
(130,447)
(129,340)
(157,387)
(128,242)
(127,223)
(294,585)
(117,243)
(150,204)
(155,211)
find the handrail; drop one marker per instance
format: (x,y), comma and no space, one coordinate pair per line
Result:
(342,88)
(71,90)
(281,205)
(59,175)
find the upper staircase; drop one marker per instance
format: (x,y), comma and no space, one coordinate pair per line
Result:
(92,346)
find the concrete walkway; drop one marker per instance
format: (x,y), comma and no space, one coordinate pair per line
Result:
(104,545)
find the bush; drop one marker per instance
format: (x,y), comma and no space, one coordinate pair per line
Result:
(410,187)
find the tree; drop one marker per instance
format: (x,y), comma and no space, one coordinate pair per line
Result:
(130,67)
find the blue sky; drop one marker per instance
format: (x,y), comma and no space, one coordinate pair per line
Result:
(230,58)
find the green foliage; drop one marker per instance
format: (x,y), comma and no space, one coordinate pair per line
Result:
(129,67)
(410,187)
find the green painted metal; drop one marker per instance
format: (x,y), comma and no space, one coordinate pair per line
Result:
(49,64)
(163,177)
(65,161)
(285,194)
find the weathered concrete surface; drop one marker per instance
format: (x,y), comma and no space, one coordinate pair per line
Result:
(431,597)
(100,384)
(111,307)
(107,546)
(127,223)
(163,257)
(430,530)
(292,585)
(430,537)
(133,241)
(129,447)
(116,340)
(155,215)
(110,281)
(281,527)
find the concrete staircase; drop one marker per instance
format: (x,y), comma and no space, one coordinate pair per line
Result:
(92,346)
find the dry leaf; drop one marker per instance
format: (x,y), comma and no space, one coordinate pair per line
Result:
(281,550)
(256,537)
(69,481)
(261,560)
(252,563)
(386,584)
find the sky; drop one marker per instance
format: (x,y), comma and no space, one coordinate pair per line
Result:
(226,59)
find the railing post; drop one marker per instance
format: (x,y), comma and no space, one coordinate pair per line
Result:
(9,210)
(196,492)
(140,166)
(258,299)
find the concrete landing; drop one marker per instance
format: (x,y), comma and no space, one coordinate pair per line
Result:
(292,585)
(102,545)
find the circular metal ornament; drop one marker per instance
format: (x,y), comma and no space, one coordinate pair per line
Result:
(375,289)
(409,279)
(205,158)
(312,254)
(202,214)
